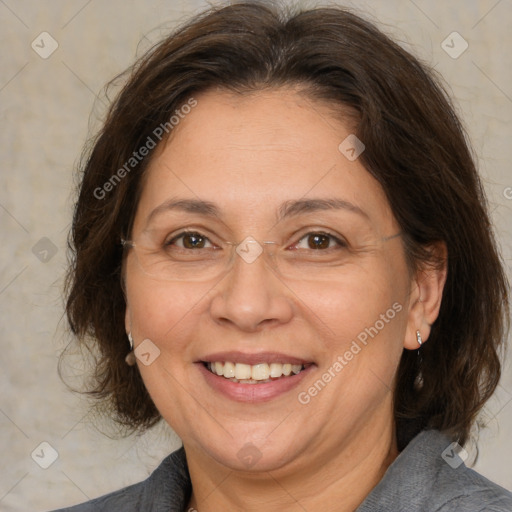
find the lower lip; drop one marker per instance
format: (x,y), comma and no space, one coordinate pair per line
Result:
(253,392)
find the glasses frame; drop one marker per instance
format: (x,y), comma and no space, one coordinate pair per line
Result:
(249,256)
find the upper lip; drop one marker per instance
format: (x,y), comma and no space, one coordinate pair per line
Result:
(252,359)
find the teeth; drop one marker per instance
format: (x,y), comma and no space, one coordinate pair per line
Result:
(262,372)
(242,371)
(296,368)
(229,370)
(276,370)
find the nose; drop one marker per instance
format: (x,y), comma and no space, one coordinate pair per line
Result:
(251,296)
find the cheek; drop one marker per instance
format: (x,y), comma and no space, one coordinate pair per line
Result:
(366,319)
(359,300)
(161,311)
(167,314)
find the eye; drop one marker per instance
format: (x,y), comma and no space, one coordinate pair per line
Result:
(189,240)
(319,241)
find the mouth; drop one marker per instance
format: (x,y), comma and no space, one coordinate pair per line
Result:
(260,373)
(253,377)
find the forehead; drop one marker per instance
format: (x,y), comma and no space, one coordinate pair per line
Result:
(251,153)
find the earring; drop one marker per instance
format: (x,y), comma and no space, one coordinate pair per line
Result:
(130,357)
(418,338)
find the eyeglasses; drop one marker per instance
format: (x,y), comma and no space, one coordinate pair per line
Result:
(193,256)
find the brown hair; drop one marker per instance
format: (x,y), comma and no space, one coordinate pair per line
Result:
(415,147)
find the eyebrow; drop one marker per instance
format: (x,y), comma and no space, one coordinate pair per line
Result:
(287,209)
(300,206)
(196,206)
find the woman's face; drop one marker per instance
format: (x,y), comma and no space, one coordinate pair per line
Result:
(270,167)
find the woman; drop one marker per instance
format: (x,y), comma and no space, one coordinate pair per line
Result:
(282,248)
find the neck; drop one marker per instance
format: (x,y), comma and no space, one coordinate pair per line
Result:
(337,482)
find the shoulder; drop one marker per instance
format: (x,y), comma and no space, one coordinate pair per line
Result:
(166,489)
(464,489)
(429,475)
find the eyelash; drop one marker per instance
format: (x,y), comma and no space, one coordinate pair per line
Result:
(341,243)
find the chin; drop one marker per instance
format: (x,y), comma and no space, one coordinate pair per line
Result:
(249,458)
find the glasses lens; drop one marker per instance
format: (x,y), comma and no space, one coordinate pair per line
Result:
(191,256)
(187,257)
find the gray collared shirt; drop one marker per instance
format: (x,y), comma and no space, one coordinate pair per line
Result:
(427,476)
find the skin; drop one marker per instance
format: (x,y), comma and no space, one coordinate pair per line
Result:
(249,154)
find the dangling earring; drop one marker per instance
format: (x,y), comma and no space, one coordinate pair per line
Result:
(130,357)
(418,338)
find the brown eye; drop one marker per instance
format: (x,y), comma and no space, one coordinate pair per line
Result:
(189,240)
(193,241)
(318,241)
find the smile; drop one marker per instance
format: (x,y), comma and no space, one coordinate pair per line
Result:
(253,377)
(254,374)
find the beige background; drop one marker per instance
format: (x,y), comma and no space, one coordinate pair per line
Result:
(45,107)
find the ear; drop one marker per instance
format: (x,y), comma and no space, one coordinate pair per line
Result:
(127,313)
(425,296)
(127,319)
